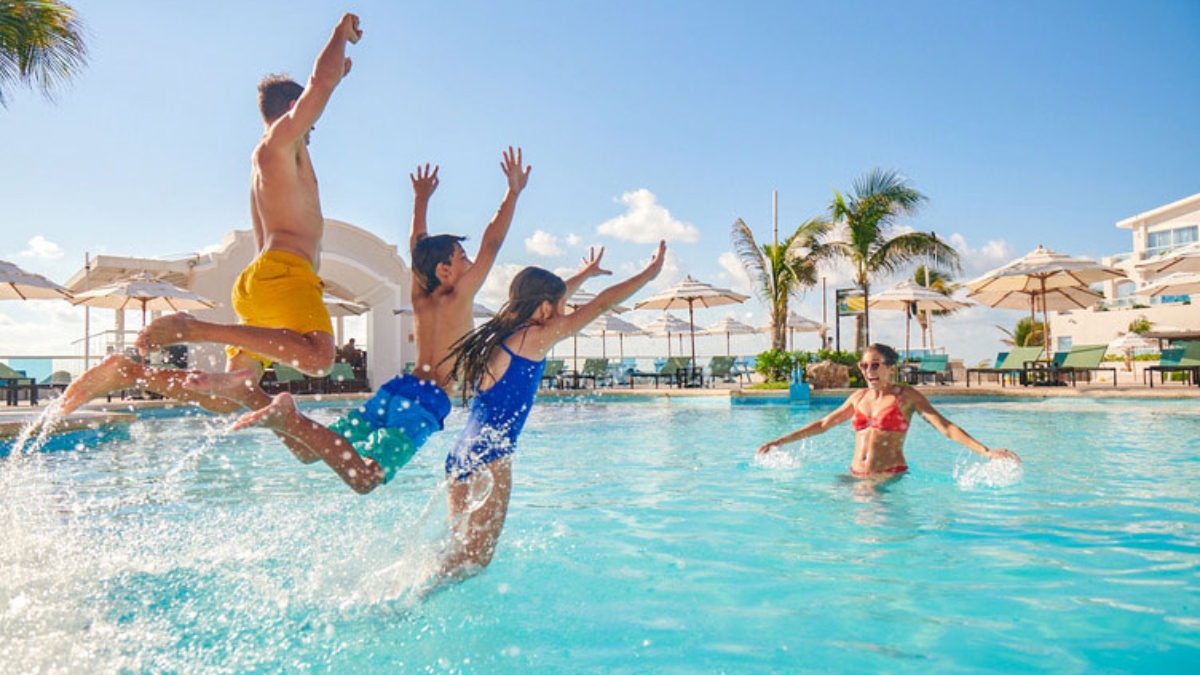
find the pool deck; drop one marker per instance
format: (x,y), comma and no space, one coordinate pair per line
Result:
(100,413)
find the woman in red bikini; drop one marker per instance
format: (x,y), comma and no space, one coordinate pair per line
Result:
(880,416)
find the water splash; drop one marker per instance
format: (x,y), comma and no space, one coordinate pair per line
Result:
(778,458)
(997,473)
(39,429)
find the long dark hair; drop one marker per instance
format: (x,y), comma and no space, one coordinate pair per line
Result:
(529,289)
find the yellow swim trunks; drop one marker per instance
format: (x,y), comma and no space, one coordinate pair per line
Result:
(280,290)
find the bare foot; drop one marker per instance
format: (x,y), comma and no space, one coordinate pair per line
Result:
(166,330)
(240,386)
(272,417)
(114,372)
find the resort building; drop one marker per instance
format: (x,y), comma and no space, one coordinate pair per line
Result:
(1154,233)
(360,270)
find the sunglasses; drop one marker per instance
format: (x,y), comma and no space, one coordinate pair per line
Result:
(871,366)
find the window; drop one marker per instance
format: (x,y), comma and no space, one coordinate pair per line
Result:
(1158,242)
(1165,240)
(1185,235)
(1064,343)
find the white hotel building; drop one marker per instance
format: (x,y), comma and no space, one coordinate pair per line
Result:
(1154,233)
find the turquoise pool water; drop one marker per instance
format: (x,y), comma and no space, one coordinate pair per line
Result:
(642,537)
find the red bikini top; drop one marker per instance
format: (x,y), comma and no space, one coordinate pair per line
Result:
(888,420)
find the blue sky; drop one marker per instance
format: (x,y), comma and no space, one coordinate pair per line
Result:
(1024,123)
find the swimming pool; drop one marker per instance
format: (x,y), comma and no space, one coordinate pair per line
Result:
(642,537)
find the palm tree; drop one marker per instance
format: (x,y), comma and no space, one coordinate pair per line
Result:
(41,45)
(781,270)
(868,216)
(938,281)
(1025,334)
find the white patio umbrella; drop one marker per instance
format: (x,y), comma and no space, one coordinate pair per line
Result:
(1127,342)
(729,327)
(145,291)
(1179,283)
(19,284)
(1039,273)
(796,323)
(691,293)
(341,307)
(909,295)
(1185,259)
(611,323)
(578,299)
(668,324)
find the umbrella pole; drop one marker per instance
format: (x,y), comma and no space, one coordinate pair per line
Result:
(1046,322)
(907,331)
(692,330)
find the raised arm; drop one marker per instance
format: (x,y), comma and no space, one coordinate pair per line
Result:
(843,413)
(572,323)
(424,182)
(591,268)
(331,66)
(955,433)
(517,176)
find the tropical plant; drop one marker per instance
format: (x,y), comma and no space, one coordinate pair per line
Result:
(938,281)
(781,270)
(41,45)
(1140,325)
(1026,333)
(775,365)
(867,219)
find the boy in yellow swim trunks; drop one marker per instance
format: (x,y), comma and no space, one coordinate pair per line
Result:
(278,297)
(369,444)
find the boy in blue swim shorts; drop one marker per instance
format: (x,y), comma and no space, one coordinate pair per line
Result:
(369,444)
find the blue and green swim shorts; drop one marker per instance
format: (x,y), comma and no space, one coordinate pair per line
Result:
(394,423)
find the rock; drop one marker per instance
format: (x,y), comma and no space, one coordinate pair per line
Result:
(827,375)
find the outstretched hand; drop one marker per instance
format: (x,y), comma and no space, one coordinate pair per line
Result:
(425,181)
(591,263)
(350,29)
(1001,453)
(517,175)
(660,256)
(352,33)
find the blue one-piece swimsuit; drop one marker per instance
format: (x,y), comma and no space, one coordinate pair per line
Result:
(497,417)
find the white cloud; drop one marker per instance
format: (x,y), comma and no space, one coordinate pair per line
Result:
(976,262)
(41,247)
(735,275)
(543,243)
(646,221)
(573,240)
(495,289)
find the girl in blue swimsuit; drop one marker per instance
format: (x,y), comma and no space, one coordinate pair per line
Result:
(501,363)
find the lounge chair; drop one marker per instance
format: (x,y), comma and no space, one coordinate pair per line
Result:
(721,368)
(14,381)
(621,372)
(595,370)
(668,371)
(1183,359)
(286,378)
(1083,359)
(58,381)
(551,373)
(341,379)
(934,367)
(1012,365)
